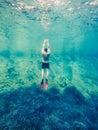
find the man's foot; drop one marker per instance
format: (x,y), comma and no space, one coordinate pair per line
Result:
(42,84)
(46,86)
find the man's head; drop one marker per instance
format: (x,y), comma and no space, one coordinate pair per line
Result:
(45,49)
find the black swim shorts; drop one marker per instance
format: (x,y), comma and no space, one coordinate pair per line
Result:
(45,65)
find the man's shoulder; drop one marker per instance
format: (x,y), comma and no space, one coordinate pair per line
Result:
(49,51)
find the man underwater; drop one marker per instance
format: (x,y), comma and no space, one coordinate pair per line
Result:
(45,63)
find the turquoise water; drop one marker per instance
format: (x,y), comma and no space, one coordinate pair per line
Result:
(72,29)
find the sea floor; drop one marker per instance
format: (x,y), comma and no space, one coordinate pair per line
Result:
(71,101)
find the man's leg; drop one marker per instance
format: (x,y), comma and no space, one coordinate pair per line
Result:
(42,82)
(47,73)
(42,73)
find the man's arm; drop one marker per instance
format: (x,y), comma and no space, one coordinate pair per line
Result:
(45,45)
(42,51)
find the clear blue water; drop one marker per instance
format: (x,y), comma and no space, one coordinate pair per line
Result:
(72,29)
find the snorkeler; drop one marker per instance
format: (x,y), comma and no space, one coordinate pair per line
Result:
(45,63)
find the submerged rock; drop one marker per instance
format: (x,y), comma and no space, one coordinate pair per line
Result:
(77,125)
